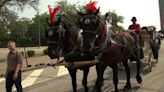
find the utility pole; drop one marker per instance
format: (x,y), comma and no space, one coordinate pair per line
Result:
(38,28)
(161,10)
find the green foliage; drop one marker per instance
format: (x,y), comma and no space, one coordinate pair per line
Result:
(26,31)
(19,4)
(30,53)
(45,51)
(9,19)
(70,10)
(114,18)
(22,53)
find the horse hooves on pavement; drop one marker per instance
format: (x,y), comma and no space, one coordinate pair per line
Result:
(95,90)
(139,79)
(127,88)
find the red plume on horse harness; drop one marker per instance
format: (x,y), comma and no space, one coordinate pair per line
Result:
(53,12)
(91,7)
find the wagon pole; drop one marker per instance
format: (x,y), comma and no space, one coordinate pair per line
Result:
(75,64)
(39,42)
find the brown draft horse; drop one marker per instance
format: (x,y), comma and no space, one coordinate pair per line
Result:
(62,37)
(63,40)
(120,50)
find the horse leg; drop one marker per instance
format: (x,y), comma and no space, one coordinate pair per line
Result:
(85,75)
(100,68)
(138,76)
(115,77)
(127,69)
(72,73)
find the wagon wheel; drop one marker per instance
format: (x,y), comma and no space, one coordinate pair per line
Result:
(149,59)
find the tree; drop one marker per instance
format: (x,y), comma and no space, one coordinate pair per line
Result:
(20,4)
(69,10)
(7,7)
(38,24)
(114,19)
(11,17)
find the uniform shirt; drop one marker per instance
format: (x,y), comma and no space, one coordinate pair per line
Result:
(13,58)
(135,27)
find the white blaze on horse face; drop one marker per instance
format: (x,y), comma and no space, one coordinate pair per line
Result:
(97,36)
(87,21)
(50,33)
(80,38)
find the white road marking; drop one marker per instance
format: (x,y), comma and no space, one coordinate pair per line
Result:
(2,79)
(29,80)
(62,71)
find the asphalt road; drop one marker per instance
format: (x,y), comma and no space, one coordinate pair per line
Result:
(57,80)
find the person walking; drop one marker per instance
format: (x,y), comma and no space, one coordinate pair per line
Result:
(14,67)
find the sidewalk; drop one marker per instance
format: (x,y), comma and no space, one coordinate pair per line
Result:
(35,62)
(38,51)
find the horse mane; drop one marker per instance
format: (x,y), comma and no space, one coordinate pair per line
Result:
(71,36)
(102,33)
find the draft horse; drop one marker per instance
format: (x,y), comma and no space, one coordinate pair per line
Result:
(122,47)
(63,41)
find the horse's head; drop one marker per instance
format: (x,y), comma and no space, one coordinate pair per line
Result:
(55,34)
(89,23)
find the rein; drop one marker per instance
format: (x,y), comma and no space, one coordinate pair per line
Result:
(53,42)
(89,32)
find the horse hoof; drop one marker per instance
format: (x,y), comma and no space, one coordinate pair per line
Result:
(96,89)
(116,91)
(127,88)
(139,79)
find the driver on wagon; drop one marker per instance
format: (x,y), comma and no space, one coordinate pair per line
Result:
(135,26)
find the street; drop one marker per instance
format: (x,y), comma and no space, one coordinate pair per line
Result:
(36,36)
(49,79)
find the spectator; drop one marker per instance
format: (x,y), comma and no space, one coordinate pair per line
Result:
(14,67)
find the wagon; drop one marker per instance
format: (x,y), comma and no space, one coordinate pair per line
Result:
(150,50)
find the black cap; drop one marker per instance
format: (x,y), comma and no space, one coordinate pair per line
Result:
(133,19)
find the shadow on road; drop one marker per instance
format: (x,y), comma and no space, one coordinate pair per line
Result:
(108,76)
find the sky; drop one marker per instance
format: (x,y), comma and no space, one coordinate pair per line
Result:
(146,11)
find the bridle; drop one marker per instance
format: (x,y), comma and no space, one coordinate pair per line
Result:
(59,43)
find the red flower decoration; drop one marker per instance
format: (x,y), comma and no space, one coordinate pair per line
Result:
(53,12)
(91,7)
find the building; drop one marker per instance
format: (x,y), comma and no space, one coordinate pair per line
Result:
(161,8)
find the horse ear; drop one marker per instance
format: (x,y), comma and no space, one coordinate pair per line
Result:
(59,19)
(97,11)
(106,16)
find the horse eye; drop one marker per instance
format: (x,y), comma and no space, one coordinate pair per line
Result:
(50,33)
(94,20)
(87,21)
